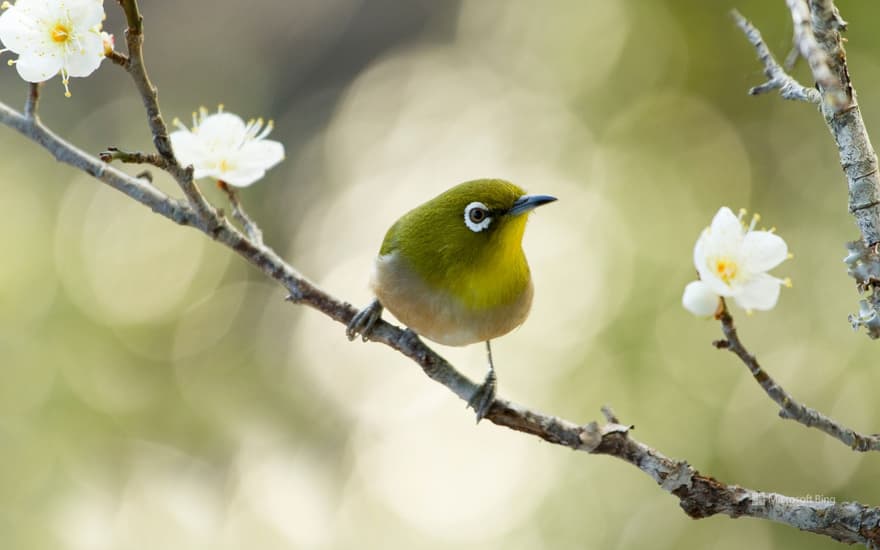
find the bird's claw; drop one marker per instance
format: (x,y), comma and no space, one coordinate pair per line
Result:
(363,321)
(483,397)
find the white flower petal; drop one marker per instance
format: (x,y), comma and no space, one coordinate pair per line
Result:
(732,262)
(83,62)
(699,299)
(718,286)
(243,177)
(264,153)
(222,146)
(17,30)
(222,129)
(85,14)
(762,251)
(33,68)
(52,36)
(701,255)
(761,292)
(726,231)
(206,171)
(187,147)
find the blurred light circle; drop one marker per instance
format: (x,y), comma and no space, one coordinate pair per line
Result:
(670,161)
(554,49)
(434,479)
(286,491)
(119,262)
(203,324)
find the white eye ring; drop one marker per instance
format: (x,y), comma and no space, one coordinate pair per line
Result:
(476,216)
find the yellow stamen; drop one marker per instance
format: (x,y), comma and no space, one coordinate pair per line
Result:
(224,166)
(786,282)
(726,269)
(220,108)
(60,33)
(5,5)
(790,255)
(755,219)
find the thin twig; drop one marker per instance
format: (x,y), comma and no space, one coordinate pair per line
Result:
(789,408)
(141,191)
(32,101)
(118,58)
(133,157)
(778,79)
(699,495)
(251,229)
(150,96)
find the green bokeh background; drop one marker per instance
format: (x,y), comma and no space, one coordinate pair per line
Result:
(158,393)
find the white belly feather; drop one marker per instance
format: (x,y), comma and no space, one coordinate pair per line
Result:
(436,314)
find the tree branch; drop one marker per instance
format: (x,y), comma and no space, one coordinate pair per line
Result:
(67,153)
(817,28)
(251,229)
(132,157)
(789,408)
(778,79)
(135,67)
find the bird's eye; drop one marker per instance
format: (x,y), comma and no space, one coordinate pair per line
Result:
(477,217)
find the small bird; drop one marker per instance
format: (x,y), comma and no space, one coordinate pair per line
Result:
(453,270)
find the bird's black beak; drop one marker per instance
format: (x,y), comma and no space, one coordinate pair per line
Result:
(526,203)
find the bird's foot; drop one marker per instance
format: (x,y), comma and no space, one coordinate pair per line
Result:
(363,321)
(482,399)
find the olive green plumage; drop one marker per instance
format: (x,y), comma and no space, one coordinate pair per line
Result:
(453,268)
(482,269)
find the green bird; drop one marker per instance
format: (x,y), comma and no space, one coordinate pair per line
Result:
(453,270)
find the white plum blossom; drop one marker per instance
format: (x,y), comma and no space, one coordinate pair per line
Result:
(53,36)
(222,146)
(732,260)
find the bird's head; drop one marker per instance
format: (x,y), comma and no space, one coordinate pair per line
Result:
(469,224)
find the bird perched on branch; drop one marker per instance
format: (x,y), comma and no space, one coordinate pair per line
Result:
(453,270)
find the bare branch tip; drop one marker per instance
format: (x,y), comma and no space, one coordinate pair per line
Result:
(738,17)
(145,175)
(721,344)
(609,415)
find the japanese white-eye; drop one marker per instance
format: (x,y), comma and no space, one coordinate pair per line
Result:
(453,270)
